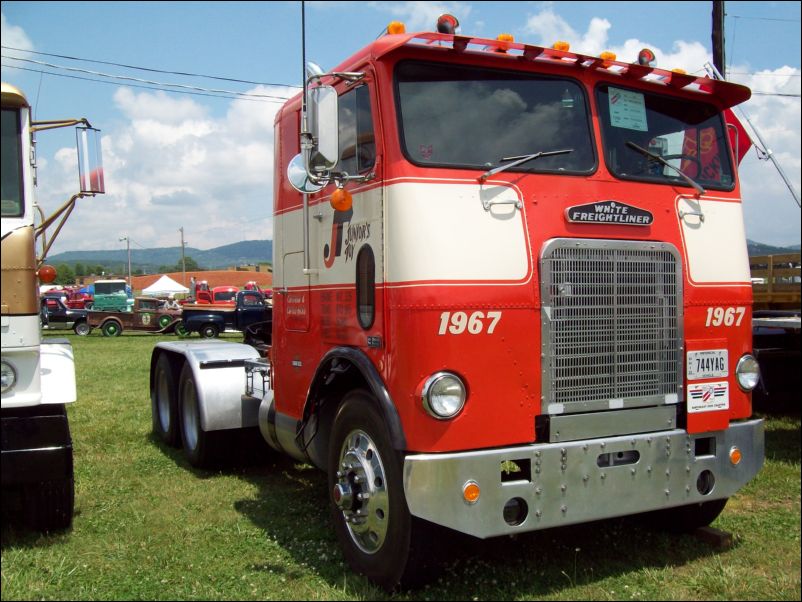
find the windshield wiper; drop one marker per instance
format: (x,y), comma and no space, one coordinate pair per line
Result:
(660,159)
(520,160)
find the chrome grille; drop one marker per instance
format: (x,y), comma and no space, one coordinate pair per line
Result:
(612,324)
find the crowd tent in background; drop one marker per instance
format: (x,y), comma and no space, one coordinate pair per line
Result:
(164,287)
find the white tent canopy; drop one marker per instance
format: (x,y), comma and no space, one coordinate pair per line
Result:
(165,286)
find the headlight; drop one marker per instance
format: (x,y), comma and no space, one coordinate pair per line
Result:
(748,372)
(8,376)
(443,395)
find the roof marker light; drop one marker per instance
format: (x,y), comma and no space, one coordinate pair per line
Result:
(396,27)
(505,39)
(561,45)
(646,58)
(447,24)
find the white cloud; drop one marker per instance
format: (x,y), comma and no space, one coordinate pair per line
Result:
(14,36)
(171,165)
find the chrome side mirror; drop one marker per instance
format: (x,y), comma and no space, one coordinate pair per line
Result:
(324,129)
(299,178)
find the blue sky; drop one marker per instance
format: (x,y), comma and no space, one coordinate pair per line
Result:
(202,163)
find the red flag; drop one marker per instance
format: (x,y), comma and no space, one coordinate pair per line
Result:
(739,138)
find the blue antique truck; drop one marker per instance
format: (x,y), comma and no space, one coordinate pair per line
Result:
(210,320)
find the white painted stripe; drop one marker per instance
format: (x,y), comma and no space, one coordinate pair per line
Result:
(715,247)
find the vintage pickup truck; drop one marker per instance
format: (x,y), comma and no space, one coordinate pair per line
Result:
(56,314)
(148,313)
(210,320)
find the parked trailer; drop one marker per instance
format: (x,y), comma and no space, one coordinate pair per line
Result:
(511,292)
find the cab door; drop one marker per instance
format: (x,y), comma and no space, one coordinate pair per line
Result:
(350,239)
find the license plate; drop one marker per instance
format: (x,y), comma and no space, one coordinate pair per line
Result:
(707,364)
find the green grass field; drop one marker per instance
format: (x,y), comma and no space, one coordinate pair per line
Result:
(149,527)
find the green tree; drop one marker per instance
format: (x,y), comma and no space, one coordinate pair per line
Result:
(80,270)
(64,275)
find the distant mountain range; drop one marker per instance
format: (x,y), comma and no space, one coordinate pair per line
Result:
(248,252)
(758,248)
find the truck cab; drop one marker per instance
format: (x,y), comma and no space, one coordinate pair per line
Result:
(511,290)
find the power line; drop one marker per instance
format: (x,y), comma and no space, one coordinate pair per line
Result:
(776,94)
(151,69)
(764,19)
(99,81)
(143,81)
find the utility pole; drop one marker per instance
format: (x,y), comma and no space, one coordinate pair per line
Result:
(128,244)
(183,259)
(718,36)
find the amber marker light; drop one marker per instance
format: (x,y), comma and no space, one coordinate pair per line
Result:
(680,71)
(46,274)
(341,200)
(735,456)
(396,27)
(471,492)
(561,46)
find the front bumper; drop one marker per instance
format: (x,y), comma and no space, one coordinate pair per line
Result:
(581,481)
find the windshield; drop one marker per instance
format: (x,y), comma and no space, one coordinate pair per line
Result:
(11,164)
(110,287)
(688,135)
(459,116)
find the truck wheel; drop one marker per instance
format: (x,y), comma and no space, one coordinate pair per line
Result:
(82,329)
(378,535)
(111,329)
(49,505)
(200,446)
(181,330)
(164,321)
(209,331)
(164,402)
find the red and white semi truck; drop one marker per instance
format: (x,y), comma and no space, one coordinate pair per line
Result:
(511,292)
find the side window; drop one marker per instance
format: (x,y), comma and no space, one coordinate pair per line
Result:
(357,142)
(365,287)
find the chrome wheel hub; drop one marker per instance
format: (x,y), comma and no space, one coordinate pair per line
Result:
(360,492)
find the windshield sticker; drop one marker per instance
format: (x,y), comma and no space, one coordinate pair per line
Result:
(627,110)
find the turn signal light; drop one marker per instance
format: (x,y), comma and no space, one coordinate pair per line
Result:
(735,456)
(341,200)
(46,274)
(471,492)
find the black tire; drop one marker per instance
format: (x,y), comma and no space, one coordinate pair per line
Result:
(164,321)
(49,505)
(686,519)
(111,328)
(379,537)
(164,402)
(181,330)
(201,447)
(82,328)
(209,331)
